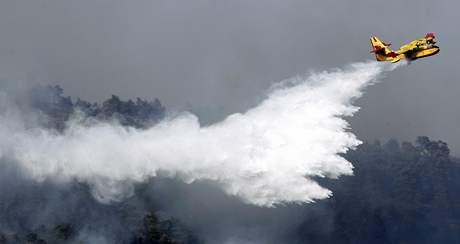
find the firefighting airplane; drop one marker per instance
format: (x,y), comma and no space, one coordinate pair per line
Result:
(419,48)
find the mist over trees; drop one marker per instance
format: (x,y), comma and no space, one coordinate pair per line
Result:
(50,101)
(401,192)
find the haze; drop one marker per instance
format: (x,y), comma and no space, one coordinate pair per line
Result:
(220,57)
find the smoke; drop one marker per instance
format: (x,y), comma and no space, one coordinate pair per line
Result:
(268,155)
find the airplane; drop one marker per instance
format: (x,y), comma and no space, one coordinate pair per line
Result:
(416,49)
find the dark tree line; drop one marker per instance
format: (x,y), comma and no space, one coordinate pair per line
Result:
(58,109)
(400,193)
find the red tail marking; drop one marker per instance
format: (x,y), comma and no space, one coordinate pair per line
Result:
(392,55)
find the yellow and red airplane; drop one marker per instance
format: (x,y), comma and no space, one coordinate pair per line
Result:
(419,48)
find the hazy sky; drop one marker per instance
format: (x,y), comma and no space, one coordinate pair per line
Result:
(218,57)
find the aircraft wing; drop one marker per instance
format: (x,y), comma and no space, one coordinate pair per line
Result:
(411,47)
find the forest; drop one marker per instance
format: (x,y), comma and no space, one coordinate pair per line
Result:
(401,192)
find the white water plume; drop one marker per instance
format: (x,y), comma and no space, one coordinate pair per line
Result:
(266,156)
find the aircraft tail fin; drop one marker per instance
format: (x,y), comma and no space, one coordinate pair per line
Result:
(381,50)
